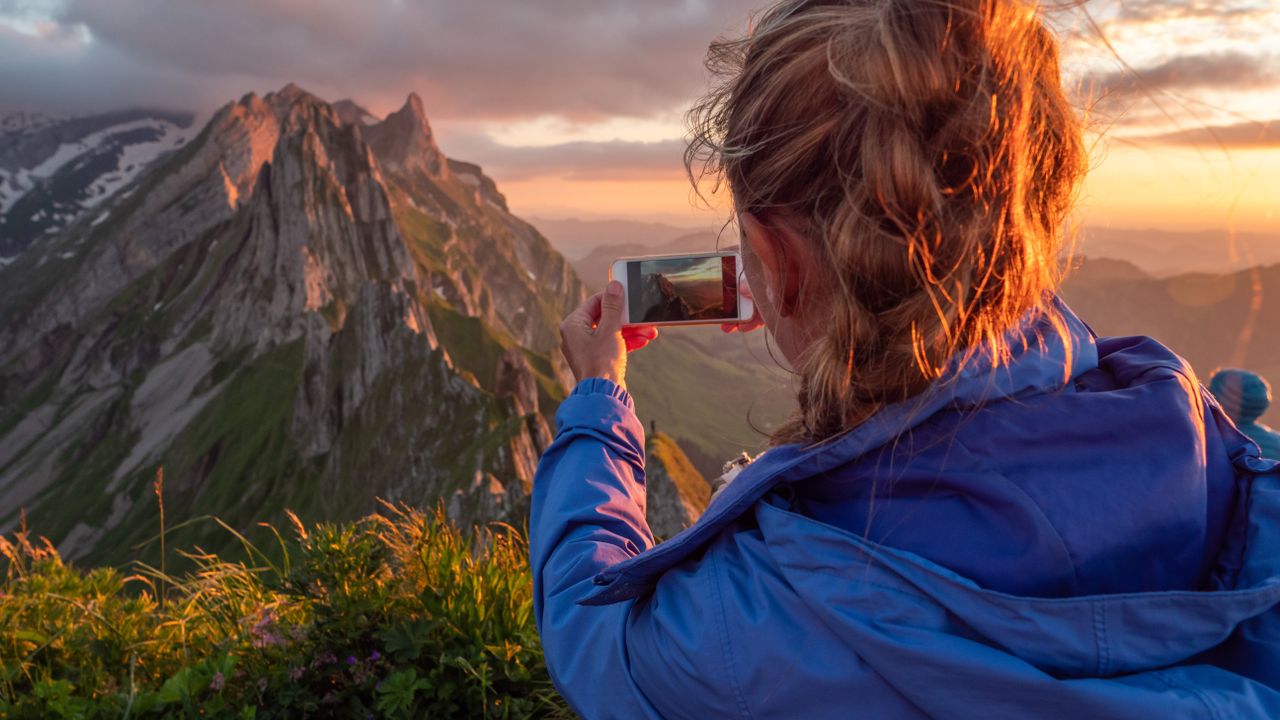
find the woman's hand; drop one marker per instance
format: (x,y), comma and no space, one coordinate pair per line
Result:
(595,343)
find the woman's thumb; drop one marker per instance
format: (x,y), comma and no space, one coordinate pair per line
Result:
(611,308)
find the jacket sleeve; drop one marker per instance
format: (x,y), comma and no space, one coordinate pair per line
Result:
(588,512)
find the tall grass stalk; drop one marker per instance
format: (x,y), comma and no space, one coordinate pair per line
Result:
(158,486)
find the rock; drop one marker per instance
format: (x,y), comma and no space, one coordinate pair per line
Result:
(676,493)
(404,141)
(260,317)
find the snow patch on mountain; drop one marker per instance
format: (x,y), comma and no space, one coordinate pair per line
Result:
(52,174)
(20,122)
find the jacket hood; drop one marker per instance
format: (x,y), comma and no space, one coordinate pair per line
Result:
(1077,637)
(921,625)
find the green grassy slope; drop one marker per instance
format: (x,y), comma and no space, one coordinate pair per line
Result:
(706,389)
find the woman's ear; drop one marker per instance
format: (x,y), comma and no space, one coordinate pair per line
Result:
(779,252)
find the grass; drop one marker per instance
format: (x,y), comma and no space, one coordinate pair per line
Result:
(398,614)
(662,450)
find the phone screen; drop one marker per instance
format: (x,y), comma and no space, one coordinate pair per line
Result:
(687,288)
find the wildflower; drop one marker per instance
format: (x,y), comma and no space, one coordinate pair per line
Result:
(375,655)
(295,673)
(217,682)
(263,633)
(351,660)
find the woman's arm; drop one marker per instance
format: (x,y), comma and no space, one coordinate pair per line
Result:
(588,513)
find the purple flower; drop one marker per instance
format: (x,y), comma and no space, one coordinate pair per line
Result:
(295,674)
(375,655)
(263,633)
(217,682)
(351,660)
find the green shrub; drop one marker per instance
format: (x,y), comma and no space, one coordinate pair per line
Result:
(396,615)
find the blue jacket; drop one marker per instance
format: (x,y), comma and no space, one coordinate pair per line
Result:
(1078,534)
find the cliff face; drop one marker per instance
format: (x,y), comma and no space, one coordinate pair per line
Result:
(297,309)
(676,492)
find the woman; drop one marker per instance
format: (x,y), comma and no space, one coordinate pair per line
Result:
(980,509)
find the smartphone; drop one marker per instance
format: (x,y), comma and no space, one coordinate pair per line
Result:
(690,289)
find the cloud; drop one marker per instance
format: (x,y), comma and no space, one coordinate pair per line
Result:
(1146,11)
(1238,136)
(615,160)
(62,71)
(480,60)
(1220,71)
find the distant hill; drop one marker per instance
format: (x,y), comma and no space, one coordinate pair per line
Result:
(575,239)
(1210,319)
(1164,252)
(594,268)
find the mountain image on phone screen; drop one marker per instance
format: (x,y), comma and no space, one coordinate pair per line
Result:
(683,289)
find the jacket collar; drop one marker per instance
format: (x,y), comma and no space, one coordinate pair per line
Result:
(1043,361)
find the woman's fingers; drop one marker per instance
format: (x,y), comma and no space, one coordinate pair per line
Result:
(637,336)
(755,321)
(587,314)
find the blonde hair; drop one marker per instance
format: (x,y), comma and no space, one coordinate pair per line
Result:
(928,152)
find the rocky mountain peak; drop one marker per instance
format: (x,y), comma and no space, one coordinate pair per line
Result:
(292,310)
(289,93)
(405,142)
(352,113)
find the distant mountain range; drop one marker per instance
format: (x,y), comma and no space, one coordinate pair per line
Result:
(591,245)
(54,170)
(1164,253)
(576,239)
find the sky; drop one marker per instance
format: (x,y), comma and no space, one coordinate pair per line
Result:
(576,107)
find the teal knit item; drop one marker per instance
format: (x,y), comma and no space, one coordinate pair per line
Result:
(1245,396)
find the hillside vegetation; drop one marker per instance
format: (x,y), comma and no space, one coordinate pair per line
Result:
(397,615)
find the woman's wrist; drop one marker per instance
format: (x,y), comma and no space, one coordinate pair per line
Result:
(613,376)
(604,386)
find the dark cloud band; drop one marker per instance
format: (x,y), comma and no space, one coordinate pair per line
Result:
(487,59)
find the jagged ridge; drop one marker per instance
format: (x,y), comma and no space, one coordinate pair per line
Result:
(298,309)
